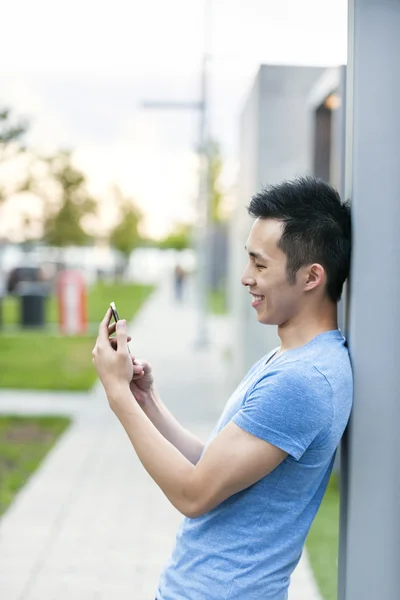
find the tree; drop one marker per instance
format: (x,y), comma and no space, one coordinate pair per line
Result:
(63,221)
(215,166)
(179,238)
(217,243)
(125,236)
(11,134)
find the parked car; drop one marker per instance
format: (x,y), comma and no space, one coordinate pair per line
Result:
(22,274)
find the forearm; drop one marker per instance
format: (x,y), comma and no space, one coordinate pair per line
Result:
(184,441)
(165,464)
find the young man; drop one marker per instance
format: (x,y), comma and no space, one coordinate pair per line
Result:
(250,496)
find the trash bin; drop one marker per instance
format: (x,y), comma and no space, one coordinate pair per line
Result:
(33,295)
(2,292)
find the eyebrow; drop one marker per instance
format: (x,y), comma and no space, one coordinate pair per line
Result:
(257,255)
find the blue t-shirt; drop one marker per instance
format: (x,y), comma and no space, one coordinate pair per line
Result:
(247,547)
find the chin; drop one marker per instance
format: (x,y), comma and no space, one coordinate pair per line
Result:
(266,320)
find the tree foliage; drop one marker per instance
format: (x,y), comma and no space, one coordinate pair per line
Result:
(125,236)
(215,166)
(10,131)
(179,238)
(63,221)
(11,134)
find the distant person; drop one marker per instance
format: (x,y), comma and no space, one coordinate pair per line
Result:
(179,281)
(250,495)
(2,293)
(3,285)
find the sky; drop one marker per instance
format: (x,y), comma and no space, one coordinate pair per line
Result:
(81,71)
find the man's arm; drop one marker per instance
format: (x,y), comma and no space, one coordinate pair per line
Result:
(233,461)
(183,440)
(142,388)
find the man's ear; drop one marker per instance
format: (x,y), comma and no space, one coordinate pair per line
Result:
(315,276)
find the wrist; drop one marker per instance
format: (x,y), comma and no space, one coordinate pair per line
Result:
(119,395)
(150,400)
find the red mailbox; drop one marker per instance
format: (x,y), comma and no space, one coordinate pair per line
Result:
(71,292)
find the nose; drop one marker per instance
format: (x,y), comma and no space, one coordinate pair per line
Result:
(247,278)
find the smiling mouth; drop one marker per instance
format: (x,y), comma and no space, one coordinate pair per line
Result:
(257,300)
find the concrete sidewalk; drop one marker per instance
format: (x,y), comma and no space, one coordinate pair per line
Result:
(91,524)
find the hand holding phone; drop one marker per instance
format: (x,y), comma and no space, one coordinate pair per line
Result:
(142,381)
(116,316)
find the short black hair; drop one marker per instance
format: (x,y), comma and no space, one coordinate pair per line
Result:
(316,227)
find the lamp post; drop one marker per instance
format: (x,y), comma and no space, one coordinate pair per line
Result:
(202,337)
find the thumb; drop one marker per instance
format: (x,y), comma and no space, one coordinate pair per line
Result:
(122,337)
(145,366)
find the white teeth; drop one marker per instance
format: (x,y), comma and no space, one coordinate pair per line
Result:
(257,298)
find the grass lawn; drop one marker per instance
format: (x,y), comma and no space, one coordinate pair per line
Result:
(24,441)
(217,304)
(322,542)
(45,360)
(127,297)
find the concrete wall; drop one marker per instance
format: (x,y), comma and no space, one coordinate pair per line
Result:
(276,143)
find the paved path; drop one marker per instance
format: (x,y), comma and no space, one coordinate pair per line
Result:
(91,524)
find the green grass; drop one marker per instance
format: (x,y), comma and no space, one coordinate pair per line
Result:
(217,302)
(322,542)
(127,296)
(24,441)
(45,360)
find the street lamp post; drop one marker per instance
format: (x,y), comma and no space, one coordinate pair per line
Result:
(203,216)
(201,231)
(200,237)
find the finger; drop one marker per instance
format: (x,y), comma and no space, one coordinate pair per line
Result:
(112,328)
(136,377)
(122,337)
(138,373)
(144,364)
(112,339)
(137,370)
(103,327)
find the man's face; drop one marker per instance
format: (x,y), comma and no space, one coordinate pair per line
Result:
(274,299)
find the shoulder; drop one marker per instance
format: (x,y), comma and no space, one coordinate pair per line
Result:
(295,374)
(288,406)
(295,387)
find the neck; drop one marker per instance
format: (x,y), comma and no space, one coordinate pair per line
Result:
(303,328)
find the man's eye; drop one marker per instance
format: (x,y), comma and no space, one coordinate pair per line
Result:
(260,266)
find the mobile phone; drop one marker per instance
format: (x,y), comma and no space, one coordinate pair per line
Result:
(116,316)
(114,311)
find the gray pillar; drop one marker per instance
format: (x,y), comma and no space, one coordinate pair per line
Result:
(369,558)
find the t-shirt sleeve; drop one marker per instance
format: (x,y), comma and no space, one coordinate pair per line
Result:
(288,408)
